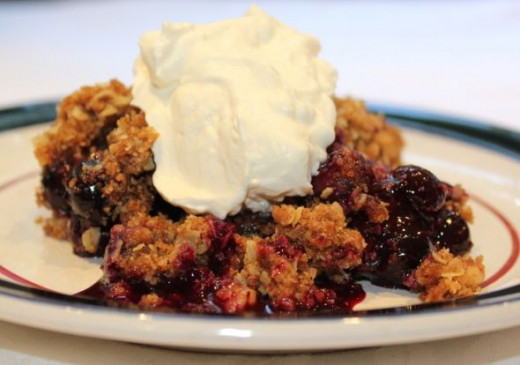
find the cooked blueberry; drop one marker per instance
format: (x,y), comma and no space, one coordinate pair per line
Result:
(403,223)
(86,198)
(452,232)
(395,247)
(419,186)
(411,251)
(54,188)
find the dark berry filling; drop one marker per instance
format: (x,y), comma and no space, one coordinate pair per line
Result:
(73,190)
(417,220)
(222,247)
(402,214)
(452,232)
(416,185)
(53,182)
(84,190)
(345,174)
(253,224)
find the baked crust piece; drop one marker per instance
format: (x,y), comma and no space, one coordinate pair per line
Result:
(153,260)
(81,118)
(443,276)
(96,166)
(323,233)
(367,133)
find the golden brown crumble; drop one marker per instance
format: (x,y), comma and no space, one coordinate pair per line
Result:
(367,132)
(323,232)
(286,279)
(54,226)
(81,116)
(153,248)
(128,157)
(106,143)
(443,276)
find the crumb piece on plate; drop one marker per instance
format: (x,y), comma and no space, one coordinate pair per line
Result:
(443,276)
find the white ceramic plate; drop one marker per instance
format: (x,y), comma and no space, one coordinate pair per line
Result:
(489,172)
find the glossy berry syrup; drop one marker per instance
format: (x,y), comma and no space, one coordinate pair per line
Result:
(419,218)
(190,294)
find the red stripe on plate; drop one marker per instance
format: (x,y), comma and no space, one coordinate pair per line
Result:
(515,242)
(18,279)
(18,179)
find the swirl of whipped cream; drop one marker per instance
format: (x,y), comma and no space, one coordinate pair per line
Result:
(243,107)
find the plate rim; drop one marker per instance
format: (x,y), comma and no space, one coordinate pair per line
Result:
(502,140)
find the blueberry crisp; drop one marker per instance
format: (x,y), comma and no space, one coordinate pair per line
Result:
(367,218)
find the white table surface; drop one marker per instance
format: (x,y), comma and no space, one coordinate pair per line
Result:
(456,57)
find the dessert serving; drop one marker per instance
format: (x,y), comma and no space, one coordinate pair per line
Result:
(230,179)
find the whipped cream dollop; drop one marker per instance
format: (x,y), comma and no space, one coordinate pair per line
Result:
(243,108)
